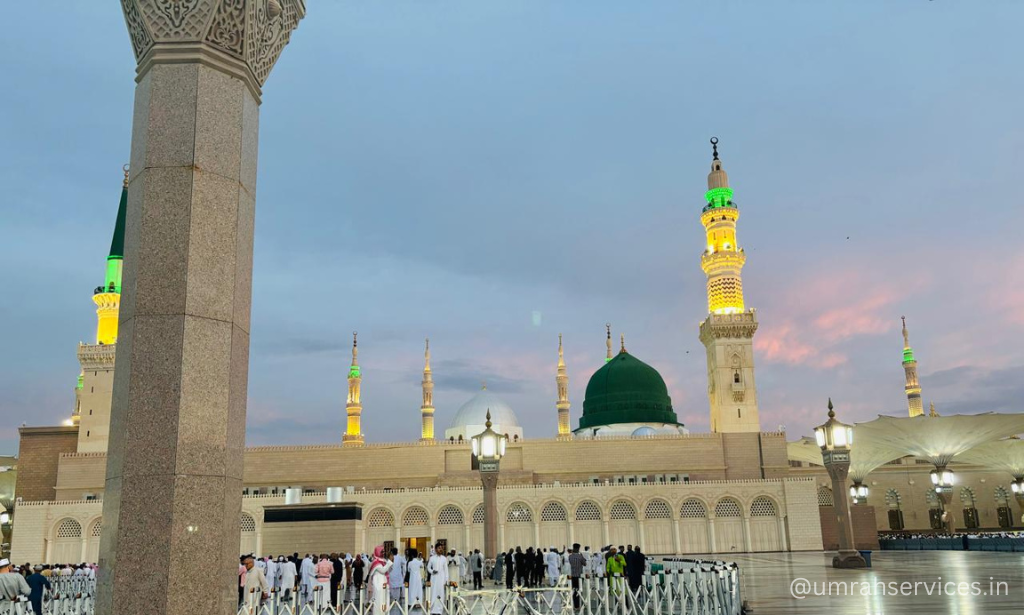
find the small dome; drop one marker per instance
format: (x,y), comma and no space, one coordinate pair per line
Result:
(646,430)
(472,416)
(626,390)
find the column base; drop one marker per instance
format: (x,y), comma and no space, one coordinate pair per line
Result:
(849,559)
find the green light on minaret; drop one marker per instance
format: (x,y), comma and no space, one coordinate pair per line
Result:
(353,371)
(908,355)
(718,197)
(115,260)
(81,382)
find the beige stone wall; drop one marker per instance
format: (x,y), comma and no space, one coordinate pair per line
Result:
(95,397)
(769,515)
(413,465)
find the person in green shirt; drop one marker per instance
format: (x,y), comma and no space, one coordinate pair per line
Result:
(616,565)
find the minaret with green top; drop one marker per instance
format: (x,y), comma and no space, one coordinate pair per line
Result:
(108,296)
(913,388)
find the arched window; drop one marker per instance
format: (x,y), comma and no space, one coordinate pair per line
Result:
(450,515)
(248,523)
(478,514)
(69,528)
(519,513)
(380,517)
(657,509)
(588,511)
(693,509)
(762,507)
(825,496)
(622,510)
(415,516)
(728,507)
(553,511)
(970,509)
(893,499)
(97,528)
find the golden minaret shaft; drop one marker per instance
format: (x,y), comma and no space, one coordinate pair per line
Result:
(915,407)
(353,408)
(562,382)
(728,331)
(427,409)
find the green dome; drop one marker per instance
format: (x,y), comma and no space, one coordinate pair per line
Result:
(626,390)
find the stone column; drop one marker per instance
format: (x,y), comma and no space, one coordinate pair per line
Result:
(490,485)
(173,491)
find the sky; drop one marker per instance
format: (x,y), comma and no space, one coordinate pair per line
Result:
(491,174)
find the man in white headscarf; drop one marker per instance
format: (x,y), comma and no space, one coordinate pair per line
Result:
(552,566)
(437,568)
(286,578)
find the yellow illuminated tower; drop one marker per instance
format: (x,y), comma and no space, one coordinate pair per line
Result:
(913,388)
(562,382)
(728,331)
(427,409)
(353,408)
(94,389)
(108,297)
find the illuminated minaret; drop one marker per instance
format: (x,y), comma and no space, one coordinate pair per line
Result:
(94,389)
(728,331)
(913,388)
(608,341)
(353,432)
(427,409)
(108,297)
(562,382)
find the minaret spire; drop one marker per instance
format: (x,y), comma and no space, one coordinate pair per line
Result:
(427,409)
(728,331)
(608,342)
(353,407)
(562,383)
(108,297)
(915,407)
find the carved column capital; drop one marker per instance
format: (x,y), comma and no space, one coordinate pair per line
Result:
(243,38)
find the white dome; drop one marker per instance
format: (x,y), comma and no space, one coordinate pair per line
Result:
(646,430)
(472,417)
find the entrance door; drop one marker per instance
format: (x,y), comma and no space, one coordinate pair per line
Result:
(421,545)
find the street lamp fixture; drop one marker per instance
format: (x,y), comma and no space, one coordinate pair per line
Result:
(835,439)
(942,481)
(489,448)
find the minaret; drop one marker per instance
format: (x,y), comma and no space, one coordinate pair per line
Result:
(562,382)
(94,389)
(728,331)
(353,432)
(913,388)
(108,296)
(427,409)
(608,341)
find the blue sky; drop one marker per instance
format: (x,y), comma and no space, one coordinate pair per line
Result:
(491,174)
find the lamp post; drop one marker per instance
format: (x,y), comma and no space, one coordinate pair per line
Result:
(834,438)
(859,492)
(488,448)
(942,481)
(1017,486)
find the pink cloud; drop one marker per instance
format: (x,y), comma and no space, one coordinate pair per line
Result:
(782,344)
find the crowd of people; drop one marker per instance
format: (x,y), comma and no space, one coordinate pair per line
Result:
(29,583)
(387,573)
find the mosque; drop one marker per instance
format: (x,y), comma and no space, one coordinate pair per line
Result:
(628,473)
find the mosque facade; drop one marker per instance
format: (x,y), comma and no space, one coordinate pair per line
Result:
(628,473)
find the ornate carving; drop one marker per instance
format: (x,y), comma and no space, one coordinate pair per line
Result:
(141,39)
(228,28)
(176,19)
(253,32)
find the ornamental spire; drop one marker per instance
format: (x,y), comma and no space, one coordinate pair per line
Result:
(108,297)
(427,409)
(912,387)
(906,336)
(353,407)
(622,343)
(608,341)
(562,384)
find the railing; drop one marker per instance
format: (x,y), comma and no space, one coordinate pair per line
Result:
(68,595)
(684,587)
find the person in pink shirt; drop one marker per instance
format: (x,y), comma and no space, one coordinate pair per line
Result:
(324,569)
(241,580)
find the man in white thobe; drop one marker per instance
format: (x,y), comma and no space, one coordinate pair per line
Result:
(553,566)
(271,572)
(396,577)
(437,568)
(286,578)
(416,581)
(463,569)
(307,580)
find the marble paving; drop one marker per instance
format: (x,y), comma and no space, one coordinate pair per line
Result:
(767,579)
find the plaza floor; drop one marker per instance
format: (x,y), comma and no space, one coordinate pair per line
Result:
(934,582)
